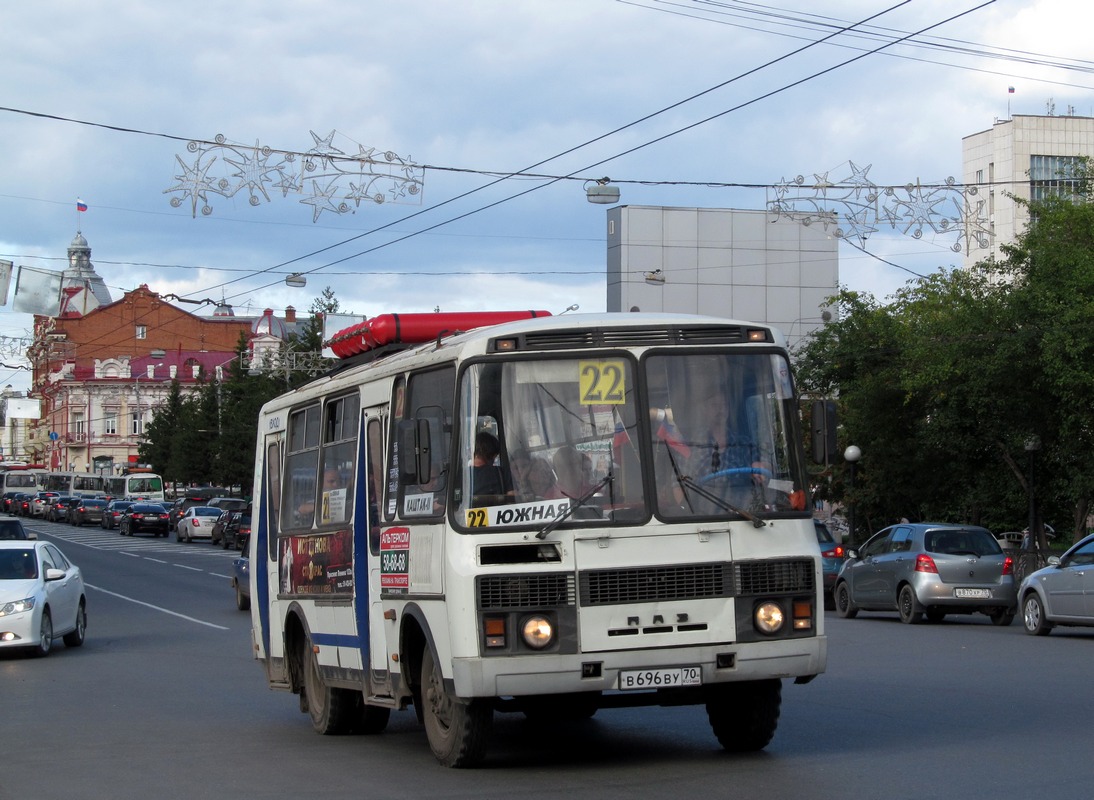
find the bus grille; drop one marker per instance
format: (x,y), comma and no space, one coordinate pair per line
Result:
(775,577)
(553,590)
(683,582)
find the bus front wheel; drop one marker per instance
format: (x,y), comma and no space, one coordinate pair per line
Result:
(744,715)
(332,711)
(457,729)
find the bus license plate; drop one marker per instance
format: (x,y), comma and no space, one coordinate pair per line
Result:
(976,593)
(630,679)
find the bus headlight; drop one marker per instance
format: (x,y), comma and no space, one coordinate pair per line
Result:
(769,617)
(537,632)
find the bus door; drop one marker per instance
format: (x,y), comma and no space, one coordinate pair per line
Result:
(368,553)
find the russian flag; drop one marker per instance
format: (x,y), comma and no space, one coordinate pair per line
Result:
(1010,90)
(81,205)
(668,434)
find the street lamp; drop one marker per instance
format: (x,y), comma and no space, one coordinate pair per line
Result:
(851,455)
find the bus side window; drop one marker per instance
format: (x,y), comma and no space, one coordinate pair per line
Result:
(374,461)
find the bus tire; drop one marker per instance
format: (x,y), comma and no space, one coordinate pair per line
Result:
(332,711)
(373,719)
(457,730)
(744,715)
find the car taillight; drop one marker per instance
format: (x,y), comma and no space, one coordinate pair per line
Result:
(195,522)
(924,563)
(835,552)
(1008,566)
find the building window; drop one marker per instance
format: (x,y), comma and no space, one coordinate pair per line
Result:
(1053,175)
(110,423)
(77,422)
(135,427)
(142,331)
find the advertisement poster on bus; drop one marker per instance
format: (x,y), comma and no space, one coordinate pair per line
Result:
(317,563)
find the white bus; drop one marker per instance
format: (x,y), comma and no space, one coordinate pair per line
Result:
(22,478)
(620,550)
(135,485)
(73,483)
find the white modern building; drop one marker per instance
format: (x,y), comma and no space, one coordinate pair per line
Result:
(722,262)
(1026,157)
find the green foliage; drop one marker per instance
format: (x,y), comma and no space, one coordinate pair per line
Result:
(943,387)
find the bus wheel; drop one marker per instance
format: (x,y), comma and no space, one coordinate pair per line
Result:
(744,715)
(457,729)
(332,711)
(373,719)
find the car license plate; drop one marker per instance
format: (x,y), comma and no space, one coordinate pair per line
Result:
(630,679)
(972,593)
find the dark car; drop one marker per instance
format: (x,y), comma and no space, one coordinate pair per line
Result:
(144,518)
(832,558)
(59,509)
(238,531)
(929,568)
(241,582)
(220,525)
(87,510)
(21,504)
(112,514)
(11,529)
(7,500)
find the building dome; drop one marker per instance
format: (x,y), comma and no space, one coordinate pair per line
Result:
(268,325)
(223,310)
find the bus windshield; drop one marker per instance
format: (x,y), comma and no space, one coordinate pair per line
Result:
(710,438)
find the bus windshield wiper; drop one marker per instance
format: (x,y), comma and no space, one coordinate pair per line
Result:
(687,482)
(574,506)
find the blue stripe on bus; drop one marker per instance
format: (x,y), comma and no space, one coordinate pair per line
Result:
(335,639)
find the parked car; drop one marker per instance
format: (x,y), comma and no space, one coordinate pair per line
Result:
(832,558)
(12,530)
(112,514)
(40,502)
(931,569)
(87,510)
(1061,593)
(241,582)
(41,597)
(196,523)
(219,526)
(144,518)
(238,531)
(58,508)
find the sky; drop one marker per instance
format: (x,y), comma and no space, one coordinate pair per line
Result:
(128,106)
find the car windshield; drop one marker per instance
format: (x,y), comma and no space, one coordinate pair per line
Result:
(206,511)
(18,565)
(137,509)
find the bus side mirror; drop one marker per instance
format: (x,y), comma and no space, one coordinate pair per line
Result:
(824,431)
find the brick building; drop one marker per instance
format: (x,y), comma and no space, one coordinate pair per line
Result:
(102,369)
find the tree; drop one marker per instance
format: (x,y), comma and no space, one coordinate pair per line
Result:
(943,388)
(156,448)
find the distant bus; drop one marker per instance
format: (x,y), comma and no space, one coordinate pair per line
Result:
(22,479)
(73,483)
(136,486)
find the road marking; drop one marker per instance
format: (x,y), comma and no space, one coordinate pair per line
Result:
(156,608)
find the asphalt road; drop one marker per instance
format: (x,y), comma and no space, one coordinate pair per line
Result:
(165,701)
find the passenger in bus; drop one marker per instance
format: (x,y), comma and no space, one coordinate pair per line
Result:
(491,484)
(332,479)
(573,470)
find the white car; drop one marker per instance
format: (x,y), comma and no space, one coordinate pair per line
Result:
(41,597)
(197,523)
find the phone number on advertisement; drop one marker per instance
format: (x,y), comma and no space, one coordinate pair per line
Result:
(630,679)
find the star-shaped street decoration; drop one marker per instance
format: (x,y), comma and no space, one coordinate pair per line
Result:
(193,182)
(320,199)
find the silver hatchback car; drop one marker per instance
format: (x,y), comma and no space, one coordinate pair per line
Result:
(930,569)
(1062,593)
